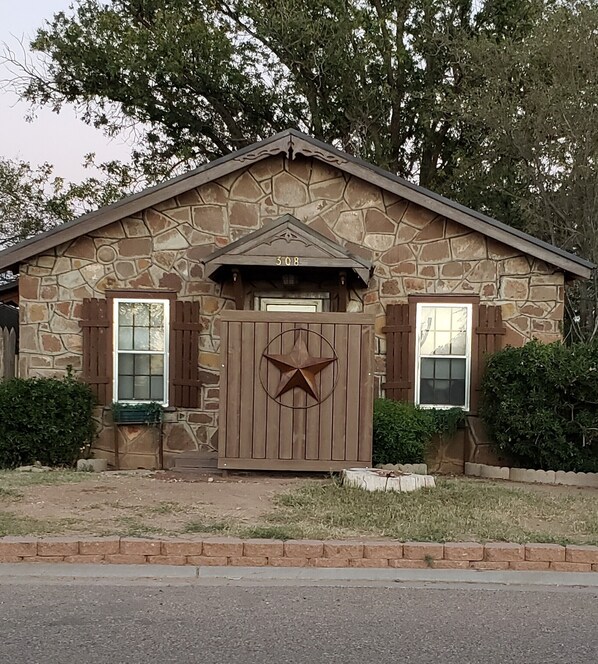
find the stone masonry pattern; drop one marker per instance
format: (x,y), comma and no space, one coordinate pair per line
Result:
(301,553)
(414,251)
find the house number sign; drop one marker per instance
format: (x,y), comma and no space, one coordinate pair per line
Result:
(287,260)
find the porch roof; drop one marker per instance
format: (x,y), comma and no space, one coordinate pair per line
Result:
(287,242)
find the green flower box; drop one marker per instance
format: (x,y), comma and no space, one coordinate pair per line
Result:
(143,413)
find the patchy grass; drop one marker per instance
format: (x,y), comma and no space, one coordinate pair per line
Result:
(10,479)
(9,494)
(457,510)
(211,527)
(130,526)
(272,532)
(11,524)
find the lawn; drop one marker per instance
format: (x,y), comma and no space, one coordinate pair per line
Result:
(139,504)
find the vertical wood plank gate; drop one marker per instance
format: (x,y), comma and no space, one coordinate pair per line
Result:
(296,391)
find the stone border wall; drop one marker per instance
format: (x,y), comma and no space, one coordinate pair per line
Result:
(532,476)
(301,553)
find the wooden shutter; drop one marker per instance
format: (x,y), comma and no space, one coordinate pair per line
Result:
(400,349)
(184,349)
(97,348)
(488,338)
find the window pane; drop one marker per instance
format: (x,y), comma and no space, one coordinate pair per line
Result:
(427,367)
(125,313)
(125,388)
(426,391)
(458,368)
(457,395)
(156,338)
(125,338)
(459,318)
(142,387)
(443,319)
(458,343)
(157,388)
(156,364)
(126,364)
(142,365)
(142,314)
(442,345)
(157,315)
(141,338)
(442,369)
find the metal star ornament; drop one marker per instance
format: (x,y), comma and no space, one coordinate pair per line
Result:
(299,369)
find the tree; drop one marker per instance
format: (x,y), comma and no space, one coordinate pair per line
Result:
(32,200)
(534,106)
(199,78)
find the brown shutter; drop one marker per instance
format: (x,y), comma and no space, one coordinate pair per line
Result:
(97,348)
(184,350)
(488,337)
(400,348)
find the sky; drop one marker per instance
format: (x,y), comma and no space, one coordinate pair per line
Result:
(60,139)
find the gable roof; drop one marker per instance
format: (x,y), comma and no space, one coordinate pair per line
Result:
(292,143)
(288,230)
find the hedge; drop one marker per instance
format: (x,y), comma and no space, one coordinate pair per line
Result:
(540,404)
(44,419)
(403,431)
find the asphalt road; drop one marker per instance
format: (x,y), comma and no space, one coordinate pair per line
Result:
(145,623)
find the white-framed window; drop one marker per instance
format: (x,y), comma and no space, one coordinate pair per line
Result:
(141,350)
(443,355)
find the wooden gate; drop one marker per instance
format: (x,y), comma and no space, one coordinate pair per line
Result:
(296,391)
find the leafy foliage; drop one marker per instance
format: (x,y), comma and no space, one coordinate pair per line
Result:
(196,79)
(44,419)
(33,200)
(402,430)
(540,403)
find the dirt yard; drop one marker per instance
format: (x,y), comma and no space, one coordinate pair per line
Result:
(133,503)
(142,503)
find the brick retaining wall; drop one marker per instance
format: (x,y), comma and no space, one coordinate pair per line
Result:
(301,553)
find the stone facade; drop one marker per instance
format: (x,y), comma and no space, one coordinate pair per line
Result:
(413,250)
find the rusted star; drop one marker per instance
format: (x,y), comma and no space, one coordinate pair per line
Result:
(299,369)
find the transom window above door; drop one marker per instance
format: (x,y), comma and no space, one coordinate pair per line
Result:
(141,350)
(290,304)
(443,355)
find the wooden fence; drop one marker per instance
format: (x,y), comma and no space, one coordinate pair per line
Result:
(296,391)
(8,353)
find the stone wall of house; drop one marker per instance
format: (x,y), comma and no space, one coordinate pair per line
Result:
(414,252)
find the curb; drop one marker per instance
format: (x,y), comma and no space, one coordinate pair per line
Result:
(234,552)
(55,573)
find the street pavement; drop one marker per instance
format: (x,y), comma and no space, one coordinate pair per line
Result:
(222,621)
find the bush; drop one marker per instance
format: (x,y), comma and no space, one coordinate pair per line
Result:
(44,419)
(402,431)
(540,403)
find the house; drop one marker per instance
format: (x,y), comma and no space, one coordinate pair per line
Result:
(323,279)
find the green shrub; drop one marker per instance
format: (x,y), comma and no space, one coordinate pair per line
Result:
(540,403)
(44,419)
(402,431)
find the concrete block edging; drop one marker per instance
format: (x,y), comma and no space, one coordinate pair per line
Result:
(234,552)
(531,476)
